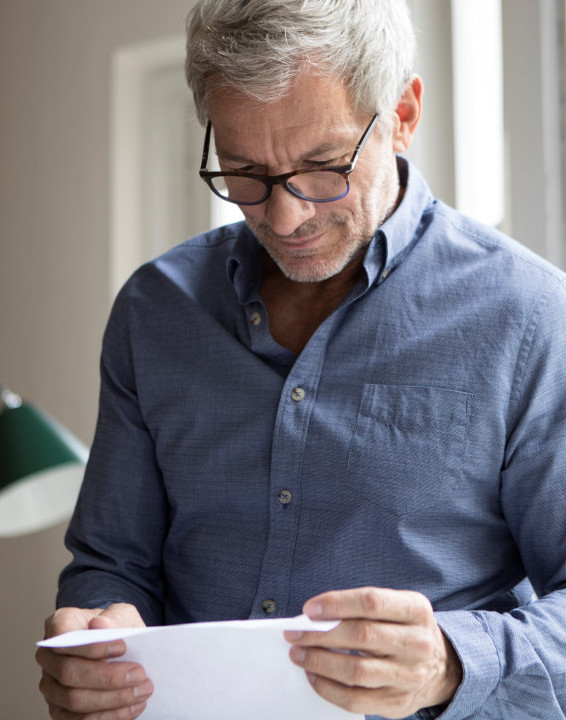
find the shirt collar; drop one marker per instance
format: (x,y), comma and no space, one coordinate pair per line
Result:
(243,266)
(387,249)
(397,235)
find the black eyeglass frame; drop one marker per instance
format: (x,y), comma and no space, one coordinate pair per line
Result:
(270,180)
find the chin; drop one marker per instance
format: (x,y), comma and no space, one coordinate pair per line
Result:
(309,269)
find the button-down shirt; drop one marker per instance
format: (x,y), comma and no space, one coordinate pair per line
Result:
(417,442)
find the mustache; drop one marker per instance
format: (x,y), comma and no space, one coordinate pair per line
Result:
(307,229)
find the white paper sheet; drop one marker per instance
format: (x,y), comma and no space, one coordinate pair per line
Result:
(235,670)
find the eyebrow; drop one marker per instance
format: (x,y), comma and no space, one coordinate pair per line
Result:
(321,149)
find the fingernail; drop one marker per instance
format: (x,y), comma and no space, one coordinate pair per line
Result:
(311,678)
(137,709)
(297,654)
(293,635)
(135,676)
(314,610)
(144,690)
(113,651)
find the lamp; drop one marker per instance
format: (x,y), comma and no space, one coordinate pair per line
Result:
(41,468)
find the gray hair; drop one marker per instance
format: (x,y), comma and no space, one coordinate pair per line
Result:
(258,47)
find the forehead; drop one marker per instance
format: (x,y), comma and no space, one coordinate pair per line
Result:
(315,109)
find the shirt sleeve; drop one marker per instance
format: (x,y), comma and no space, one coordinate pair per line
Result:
(117,531)
(514,667)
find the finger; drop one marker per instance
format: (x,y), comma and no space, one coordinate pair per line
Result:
(402,606)
(127,713)
(378,639)
(355,670)
(79,703)
(68,619)
(94,651)
(118,615)
(385,701)
(78,672)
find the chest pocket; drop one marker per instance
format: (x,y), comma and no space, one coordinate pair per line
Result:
(408,443)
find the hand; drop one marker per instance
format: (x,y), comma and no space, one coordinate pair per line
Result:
(402,661)
(79,683)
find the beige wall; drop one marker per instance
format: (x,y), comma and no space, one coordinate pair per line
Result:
(55,62)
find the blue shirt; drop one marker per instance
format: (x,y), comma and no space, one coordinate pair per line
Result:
(418,442)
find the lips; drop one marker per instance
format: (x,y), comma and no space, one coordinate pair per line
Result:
(299,243)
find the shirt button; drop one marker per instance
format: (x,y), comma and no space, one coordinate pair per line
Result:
(285,497)
(385,273)
(255,318)
(297,394)
(269,606)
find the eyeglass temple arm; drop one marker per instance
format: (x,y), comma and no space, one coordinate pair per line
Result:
(364,138)
(206,145)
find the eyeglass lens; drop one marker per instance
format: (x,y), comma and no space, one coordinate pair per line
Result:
(312,185)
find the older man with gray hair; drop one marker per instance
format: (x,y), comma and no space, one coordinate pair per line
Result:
(352,404)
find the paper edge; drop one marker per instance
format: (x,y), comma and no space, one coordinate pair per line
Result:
(78,638)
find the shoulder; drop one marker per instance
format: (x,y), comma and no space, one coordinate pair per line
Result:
(192,274)
(185,265)
(492,256)
(199,251)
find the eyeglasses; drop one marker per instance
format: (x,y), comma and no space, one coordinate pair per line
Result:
(321,185)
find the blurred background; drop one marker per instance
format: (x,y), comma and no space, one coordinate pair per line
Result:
(99,152)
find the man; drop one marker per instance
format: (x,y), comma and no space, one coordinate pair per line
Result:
(353,405)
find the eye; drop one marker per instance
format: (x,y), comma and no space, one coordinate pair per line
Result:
(321,163)
(332,162)
(227,167)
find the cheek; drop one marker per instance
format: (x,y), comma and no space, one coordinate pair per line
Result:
(351,207)
(253,213)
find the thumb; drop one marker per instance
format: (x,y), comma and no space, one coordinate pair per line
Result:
(119,615)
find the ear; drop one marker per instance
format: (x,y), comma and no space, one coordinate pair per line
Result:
(407,115)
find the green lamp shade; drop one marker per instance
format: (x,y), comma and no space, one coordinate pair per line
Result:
(41,469)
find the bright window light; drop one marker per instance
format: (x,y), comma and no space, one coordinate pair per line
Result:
(221,212)
(478,109)
(224,213)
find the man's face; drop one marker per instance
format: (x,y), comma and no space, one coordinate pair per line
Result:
(313,126)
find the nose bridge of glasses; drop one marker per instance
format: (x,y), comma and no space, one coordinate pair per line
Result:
(282,186)
(285,180)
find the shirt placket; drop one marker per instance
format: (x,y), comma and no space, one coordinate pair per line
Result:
(296,404)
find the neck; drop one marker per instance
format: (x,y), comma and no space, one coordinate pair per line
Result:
(296,309)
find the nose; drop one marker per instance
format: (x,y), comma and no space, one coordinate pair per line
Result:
(284,212)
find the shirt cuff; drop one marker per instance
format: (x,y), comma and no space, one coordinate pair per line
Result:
(479,658)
